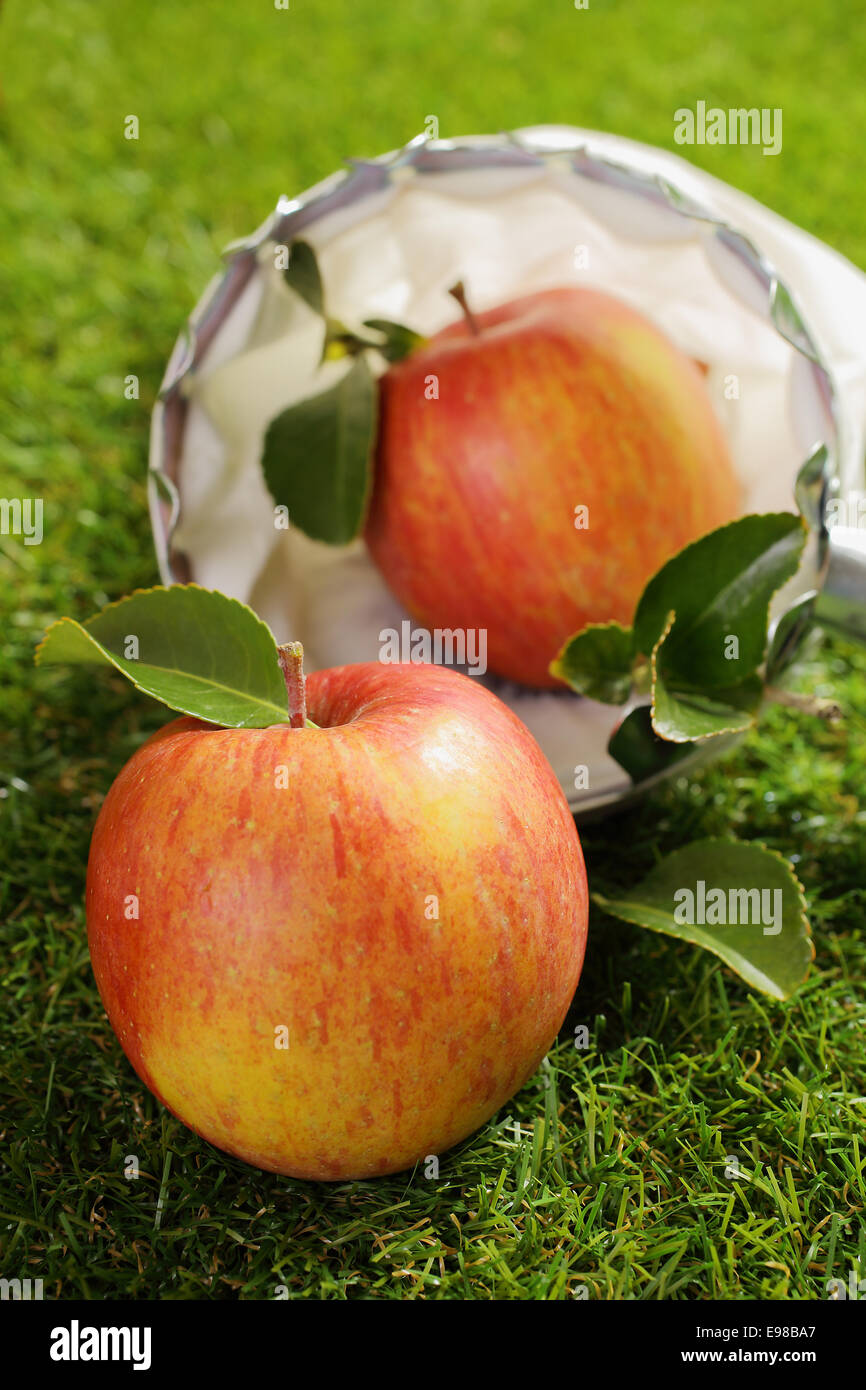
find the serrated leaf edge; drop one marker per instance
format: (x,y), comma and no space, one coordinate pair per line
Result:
(602,901)
(692,738)
(718,530)
(555,666)
(164,589)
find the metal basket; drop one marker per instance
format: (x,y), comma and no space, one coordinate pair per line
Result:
(660,226)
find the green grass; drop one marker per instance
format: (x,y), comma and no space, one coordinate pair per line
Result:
(615,1179)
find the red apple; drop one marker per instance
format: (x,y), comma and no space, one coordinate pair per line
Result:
(399,894)
(552,402)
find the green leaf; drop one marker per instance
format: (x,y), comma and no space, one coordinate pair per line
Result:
(638,749)
(684,715)
(399,340)
(771,950)
(597,662)
(317,457)
(198,652)
(720,587)
(790,631)
(302,275)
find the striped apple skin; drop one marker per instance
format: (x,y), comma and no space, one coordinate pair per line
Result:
(286,880)
(567,398)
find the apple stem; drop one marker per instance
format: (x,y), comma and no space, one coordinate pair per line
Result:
(458,292)
(291,656)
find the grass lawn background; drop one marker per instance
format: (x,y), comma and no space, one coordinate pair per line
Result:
(609,1169)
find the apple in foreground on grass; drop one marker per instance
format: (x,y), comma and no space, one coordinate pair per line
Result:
(554,403)
(350,943)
